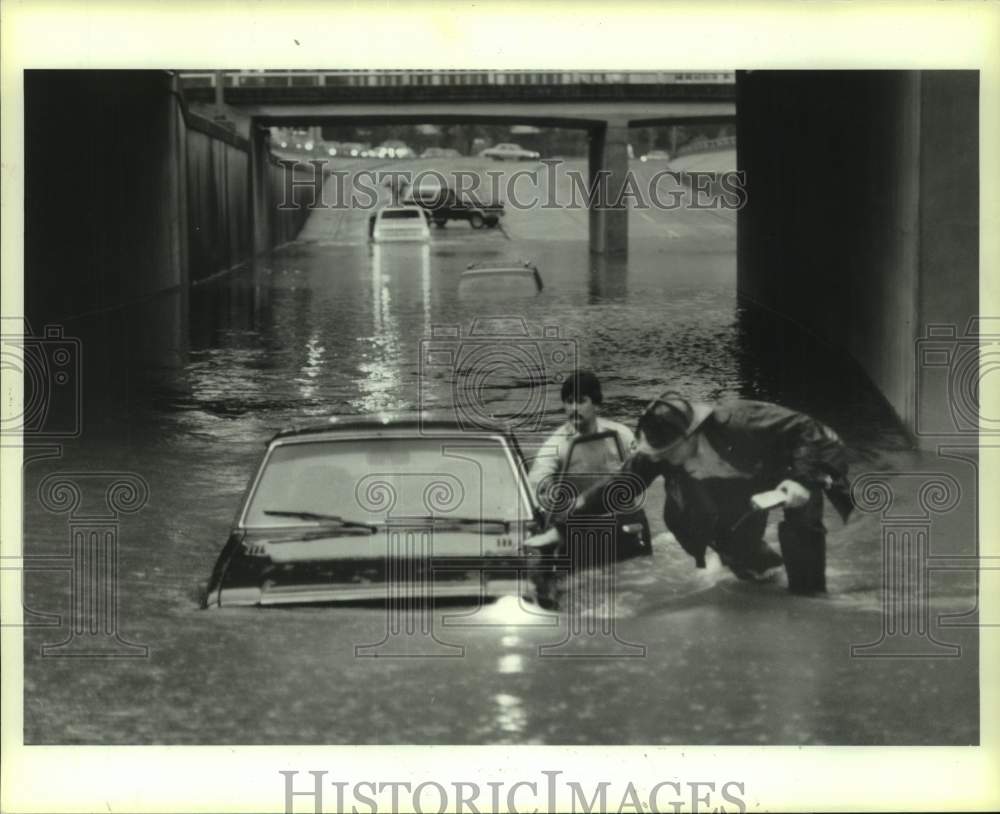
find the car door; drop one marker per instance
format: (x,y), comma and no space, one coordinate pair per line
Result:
(589,461)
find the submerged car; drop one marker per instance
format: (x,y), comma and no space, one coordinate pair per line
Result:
(505,275)
(341,511)
(394,224)
(507,151)
(395,507)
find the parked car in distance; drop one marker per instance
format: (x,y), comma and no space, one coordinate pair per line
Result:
(506,151)
(393,224)
(440,152)
(351,149)
(353,508)
(393,149)
(656,155)
(443,204)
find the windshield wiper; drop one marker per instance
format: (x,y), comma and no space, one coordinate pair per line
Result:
(333,519)
(448,519)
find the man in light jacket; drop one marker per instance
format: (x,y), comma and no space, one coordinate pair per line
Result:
(581,399)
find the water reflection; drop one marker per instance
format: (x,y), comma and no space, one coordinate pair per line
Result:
(378,383)
(311,370)
(511,717)
(510,663)
(386,352)
(608,280)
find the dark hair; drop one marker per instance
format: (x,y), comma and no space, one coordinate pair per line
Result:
(580,384)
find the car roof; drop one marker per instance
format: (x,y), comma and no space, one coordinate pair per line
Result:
(430,422)
(401,208)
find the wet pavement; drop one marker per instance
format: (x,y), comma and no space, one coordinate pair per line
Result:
(331,325)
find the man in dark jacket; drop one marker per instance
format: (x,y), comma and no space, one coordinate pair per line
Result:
(713,458)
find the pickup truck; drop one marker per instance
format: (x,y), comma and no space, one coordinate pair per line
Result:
(443,205)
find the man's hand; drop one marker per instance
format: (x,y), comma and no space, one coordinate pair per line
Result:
(541,543)
(561,518)
(797,494)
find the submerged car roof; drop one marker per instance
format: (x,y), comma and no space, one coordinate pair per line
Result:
(434,422)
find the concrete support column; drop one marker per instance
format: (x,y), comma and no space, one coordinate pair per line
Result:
(607,170)
(260,189)
(220,88)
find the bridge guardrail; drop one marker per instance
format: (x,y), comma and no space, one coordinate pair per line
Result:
(447,78)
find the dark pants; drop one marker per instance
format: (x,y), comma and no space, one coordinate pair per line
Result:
(697,525)
(803,546)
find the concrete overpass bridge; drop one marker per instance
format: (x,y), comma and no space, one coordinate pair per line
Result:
(606,105)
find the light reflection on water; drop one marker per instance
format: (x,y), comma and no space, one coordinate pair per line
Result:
(510,663)
(511,717)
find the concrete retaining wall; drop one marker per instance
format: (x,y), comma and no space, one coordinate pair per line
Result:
(219,217)
(861,224)
(130,195)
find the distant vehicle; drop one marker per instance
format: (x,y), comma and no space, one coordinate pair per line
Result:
(354,149)
(505,272)
(395,224)
(440,152)
(506,151)
(443,205)
(393,149)
(656,155)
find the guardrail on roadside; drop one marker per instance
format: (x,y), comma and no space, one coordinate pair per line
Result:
(370,78)
(706,146)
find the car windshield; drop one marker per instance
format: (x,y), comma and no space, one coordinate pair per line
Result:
(364,479)
(397,214)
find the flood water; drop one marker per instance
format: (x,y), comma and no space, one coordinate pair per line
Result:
(332,326)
